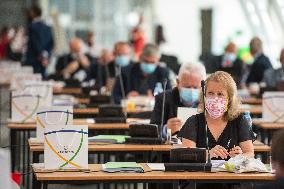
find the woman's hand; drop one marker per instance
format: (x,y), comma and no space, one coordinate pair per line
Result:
(219,151)
(235,151)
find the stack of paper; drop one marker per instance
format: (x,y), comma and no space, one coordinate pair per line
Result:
(108,138)
(112,167)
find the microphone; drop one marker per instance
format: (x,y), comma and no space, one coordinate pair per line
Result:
(206,126)
(118,74)
(163,107)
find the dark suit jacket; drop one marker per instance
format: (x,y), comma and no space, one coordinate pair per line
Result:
(236,70)
(135,80)
(258,68)
(66,59)
(172,102)
(101,72)
(40,40)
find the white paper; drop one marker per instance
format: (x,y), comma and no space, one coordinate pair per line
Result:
(56,115)
(272,106)
(66,147)
(5,179)
(156,166)
(183,113)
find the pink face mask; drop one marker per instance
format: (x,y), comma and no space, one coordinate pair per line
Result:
(215,106)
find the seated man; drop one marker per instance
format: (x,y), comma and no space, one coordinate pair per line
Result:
(103,71)
(141,78)
(185,94)
(277,161)
(272,76)
(74,65)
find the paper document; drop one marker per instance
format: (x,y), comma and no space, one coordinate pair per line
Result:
(183,113)
(156,166)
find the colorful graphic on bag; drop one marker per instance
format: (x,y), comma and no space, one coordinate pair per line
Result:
(66,148)
(272,108)
(24,107)
(56,115)
(43,89)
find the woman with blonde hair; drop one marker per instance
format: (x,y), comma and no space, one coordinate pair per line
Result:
(228,131)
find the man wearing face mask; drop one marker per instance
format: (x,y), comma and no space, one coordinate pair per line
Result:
(185,94)
(104,71)
(141,78)
(230,63)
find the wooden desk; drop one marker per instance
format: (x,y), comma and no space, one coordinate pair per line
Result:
(63,90)
(266,129)
(252,101)
(255,110)
(149,177)
(96,111)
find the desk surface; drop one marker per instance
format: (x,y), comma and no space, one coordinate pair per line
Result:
(67,90)
(267,125)
(38,147)
(253,109)
(252,100)
(32,126)
(96,111)
(153,175)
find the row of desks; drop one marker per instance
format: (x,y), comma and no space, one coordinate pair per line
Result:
(98,176)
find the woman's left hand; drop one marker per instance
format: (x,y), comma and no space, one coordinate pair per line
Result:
(235,151)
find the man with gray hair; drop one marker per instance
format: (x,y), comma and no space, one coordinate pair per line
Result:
(141,78)
(185,94)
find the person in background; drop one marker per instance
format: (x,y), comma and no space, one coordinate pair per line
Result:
(137,38)
(4,42)
(260,64)
(17,45)
(103,71)
(90,44)
(73,63)
(277,156)
(185,94)
(229,62)
(272,76)
(141,78)
(40,42)
(229,133)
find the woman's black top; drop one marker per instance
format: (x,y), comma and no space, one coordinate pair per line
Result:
(236,131)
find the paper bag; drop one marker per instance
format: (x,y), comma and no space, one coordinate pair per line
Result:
(20,78)
(273,106)
(183,113)
(66,147)
(56,115)
(24,106)
(41,88)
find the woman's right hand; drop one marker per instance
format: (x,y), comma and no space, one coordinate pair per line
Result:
(219,151)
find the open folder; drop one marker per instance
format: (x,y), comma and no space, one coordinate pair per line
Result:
(112,167)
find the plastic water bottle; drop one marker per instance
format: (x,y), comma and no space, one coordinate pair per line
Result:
(248,118)
(158,89)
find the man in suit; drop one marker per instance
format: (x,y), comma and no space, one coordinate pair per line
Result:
(141,78)
(75,64)
(277,155)
(229,62)
(40,42)
(260,64)
(272,76)
(103,72)
(185,94)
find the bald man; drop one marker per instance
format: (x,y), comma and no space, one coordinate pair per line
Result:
(70,64)
(229,62)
